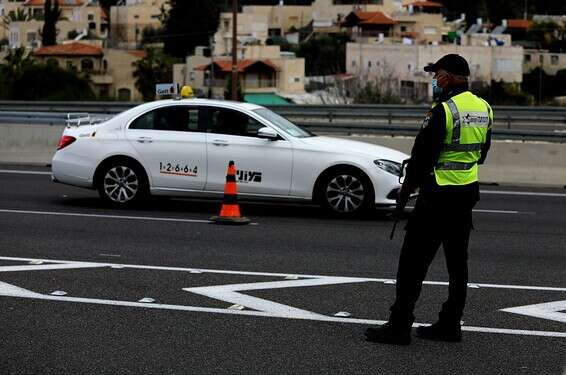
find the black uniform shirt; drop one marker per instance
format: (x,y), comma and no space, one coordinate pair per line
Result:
(426,151)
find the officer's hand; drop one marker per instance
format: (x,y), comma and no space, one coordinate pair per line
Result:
(403,196)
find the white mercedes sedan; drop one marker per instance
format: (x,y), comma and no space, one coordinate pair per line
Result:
(182,148)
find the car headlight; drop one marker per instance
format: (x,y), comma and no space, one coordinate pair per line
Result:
(389,166)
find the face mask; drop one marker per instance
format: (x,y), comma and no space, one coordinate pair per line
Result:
(436,90)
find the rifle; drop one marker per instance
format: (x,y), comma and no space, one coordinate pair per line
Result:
(401,200)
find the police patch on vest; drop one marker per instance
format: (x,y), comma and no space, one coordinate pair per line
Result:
(248,176)
(427,119)
(474,118)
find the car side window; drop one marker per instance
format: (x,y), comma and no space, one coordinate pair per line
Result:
(172,118)
(227,121)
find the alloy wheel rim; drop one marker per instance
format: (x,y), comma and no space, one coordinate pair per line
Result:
(345,193)
(121,184)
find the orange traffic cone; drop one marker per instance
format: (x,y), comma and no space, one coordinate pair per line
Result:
(230,211)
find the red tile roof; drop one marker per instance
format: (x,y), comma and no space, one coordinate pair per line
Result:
(61,3)
(71,49)
(518,24)
(425,4)
(374,18)
(137,53)
(226,65)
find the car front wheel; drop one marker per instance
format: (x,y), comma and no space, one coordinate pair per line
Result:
(346,192)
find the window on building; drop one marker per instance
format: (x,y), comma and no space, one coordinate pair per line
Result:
(52,62)
(527,58)
(105,64)
(31,37)
(407,89)
(87,65)
(429,30)
(403,29)
(124,95)
(353,62)
(92,25)
(71,65)
(554,59)
(91,17)
(541,59)
(172,118)
(369,64)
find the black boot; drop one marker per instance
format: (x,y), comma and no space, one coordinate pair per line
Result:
(441,331)
(389,334)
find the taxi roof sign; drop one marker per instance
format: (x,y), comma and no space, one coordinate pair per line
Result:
(166,89)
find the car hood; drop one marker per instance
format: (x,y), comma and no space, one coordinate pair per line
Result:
(346,146)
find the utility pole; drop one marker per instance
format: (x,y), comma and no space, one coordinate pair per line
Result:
(234,49)
(211,77)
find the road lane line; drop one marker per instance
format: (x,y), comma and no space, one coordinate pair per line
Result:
(274,274)
(13,171)
(504,192)
(16,292)
(105,216)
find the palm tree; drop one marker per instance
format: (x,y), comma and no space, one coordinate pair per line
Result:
(154,68)
(17,60)
(19,16)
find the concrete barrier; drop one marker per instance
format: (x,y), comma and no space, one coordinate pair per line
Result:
(509,162)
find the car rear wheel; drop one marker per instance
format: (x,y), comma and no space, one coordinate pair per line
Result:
(346,192)
(122,183)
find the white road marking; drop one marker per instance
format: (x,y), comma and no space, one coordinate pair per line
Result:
(46,267)
(275,274)
(229,293)
(551,310)
(527,193)
(121,217)
(511,212)
(13,291)
(13,171)
(110,255)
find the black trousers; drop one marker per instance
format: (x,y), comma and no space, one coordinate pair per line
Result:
(437,219)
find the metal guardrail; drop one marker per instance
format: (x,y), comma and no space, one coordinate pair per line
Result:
(544,123)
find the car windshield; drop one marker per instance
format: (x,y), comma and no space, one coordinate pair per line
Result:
(283,124)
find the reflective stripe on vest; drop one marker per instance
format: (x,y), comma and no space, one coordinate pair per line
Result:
(468,119)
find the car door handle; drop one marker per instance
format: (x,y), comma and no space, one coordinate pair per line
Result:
(220,142)
(145,140)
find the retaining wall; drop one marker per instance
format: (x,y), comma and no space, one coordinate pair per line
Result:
(509,162)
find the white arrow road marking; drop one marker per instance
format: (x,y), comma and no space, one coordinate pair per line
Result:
(229,293)
(10,290)
(45,267)
(549,310)
(272,309)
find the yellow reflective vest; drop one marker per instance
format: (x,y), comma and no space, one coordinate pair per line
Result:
(468,119)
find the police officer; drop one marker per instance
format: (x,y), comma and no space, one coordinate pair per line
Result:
(454,139)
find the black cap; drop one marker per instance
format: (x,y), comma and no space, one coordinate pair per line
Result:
(452,63)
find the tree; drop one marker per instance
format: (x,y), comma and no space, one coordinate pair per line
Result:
(51,16)
(15,62)
(156,67)
(228,89)
(324,54)
(18,16)
(189,24)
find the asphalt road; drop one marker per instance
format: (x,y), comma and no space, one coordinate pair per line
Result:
(299,268)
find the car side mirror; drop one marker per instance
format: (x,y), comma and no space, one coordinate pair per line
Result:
(267,133)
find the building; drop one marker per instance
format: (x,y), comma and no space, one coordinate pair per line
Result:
(109,70)
(252,29)
(402,65)
(327,15)
(129,18)
(550,62)
(262,69)
(80,19)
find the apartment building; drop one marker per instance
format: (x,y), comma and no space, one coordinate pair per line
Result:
(129,18)
(79,19)
(109,70)
(262,70)
(550,62)
(403,64)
